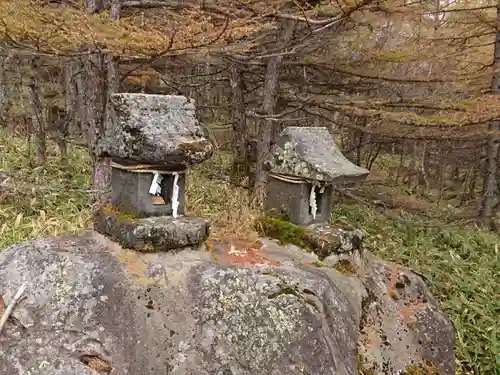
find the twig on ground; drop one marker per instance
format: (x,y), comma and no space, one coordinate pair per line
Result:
(12,304)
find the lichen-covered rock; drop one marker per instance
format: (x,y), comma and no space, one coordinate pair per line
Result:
(402,324)
(159,130)
(93,307)
(311,153)
(89,301)
(322,239)
(156,233)
(328,239)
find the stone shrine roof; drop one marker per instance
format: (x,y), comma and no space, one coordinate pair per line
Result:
(311,153)
(156,130)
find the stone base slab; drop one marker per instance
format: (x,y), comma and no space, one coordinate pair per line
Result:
(152,234)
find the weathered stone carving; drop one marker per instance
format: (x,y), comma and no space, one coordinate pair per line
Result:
(152,139)
(95,305)
(159,130)
(305,165)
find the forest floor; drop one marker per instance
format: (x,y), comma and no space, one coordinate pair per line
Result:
(462,264)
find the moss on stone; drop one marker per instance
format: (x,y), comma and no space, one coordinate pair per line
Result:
(394,295)
(421,369)
(121,216)
(345,267)
(194,147)
(361,368)
(284,231)
(147,248)
(308,239)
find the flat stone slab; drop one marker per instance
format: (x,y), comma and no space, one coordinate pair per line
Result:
(311,153)
(155,130)
(329,240)
(153,234)
(320,239)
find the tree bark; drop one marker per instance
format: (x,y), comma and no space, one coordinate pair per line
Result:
(71,99)
(115,9)
(490,191)
(240,130)
(36,113)
(82,85)
(4,97)
(269,99)
(97,123)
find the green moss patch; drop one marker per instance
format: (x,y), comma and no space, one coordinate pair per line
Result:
(426,369)
(285,232)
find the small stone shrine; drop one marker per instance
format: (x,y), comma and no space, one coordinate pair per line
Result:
(152,140)
(305,166)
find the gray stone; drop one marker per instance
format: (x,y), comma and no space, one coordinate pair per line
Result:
(156,130)
(130,193)
(233,310)
(151,234)
(331,239)
(291,201)
(303,159)
(173,313)
(311,153)
(321,239)
(402,323)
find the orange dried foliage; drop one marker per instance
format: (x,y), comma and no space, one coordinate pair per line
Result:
(98,364)
(31,26)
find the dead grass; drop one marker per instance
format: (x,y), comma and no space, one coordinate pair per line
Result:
(54,199)
(211,195)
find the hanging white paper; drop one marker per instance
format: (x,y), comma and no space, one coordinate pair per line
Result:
(175,195)
(312,202)
(155,188)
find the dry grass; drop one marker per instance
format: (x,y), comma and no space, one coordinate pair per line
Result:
(212,196)
(53,200)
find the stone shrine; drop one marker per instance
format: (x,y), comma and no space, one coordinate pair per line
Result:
(152,140)
(305,166)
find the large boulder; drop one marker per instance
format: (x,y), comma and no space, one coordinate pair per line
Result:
(93,307)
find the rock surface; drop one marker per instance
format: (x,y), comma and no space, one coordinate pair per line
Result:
(311,153)
(157,233)
(321,239)
(402,321)
(238,309)
(160,130)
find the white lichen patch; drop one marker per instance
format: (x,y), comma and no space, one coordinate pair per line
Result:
(241,316)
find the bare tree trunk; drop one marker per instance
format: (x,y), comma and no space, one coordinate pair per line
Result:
(71,99)
(94,6)
(4,97)
(36,113)
(490,193)
(81,81)
(268,107)
(115,9)
(240,130)
(97,122)
(105,83)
